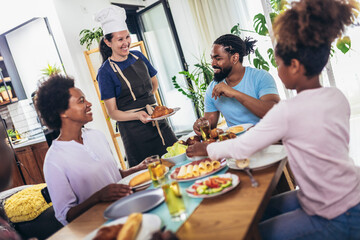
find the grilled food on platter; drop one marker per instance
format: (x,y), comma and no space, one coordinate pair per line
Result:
(108,233)
(139,179)
(196,169)
(193,139)
(160,111)
(131,227)
(214,133)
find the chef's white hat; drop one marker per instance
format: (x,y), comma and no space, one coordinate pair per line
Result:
(112,19)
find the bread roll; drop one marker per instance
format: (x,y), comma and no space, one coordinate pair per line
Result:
(140,178)
(202,168)
(209,167)
(195,170)
(182,172)
(216,164)
(189,172)
(131,227)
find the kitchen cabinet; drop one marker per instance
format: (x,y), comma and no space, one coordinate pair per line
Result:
(31,159)
(16,179)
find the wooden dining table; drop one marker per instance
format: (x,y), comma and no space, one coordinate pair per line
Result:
(234,215)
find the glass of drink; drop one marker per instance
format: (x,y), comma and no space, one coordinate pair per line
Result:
(157,171)
(174,201)
(204,126)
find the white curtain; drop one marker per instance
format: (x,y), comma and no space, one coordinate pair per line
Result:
(200,22)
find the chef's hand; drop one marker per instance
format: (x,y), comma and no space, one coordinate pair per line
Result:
(143,116)
(196,126)
(223,89)
(113,192)
(197,149)
(146,162)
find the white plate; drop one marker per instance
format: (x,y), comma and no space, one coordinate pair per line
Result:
(235,182)
(127,179)
(150,224)
(165,116)
(246,126)
(262,158)
(172,174)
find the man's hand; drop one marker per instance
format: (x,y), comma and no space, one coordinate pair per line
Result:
(113,192)
(196,126)
(198,149)
(223,89)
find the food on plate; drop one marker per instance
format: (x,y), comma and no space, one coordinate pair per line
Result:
(210,140)
(235,129)
(131,227)
(139,179)
(176,149)
(193,139)
(108,233)
(196,169)
(211,185)
(214,133)
(160,111)
(226,136)
(182,142)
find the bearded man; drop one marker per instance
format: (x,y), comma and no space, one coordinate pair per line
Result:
(241,94)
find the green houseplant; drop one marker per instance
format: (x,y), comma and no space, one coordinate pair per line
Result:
(199,79)
(50,70)
(88,36)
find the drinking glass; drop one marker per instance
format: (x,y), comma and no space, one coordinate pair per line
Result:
(174,201)
(204,126)
(156,170)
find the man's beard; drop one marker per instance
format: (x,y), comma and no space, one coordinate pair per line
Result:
(218,77)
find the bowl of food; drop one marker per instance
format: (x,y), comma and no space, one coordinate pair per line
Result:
(176,153)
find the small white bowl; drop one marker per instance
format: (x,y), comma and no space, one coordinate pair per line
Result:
(176,159)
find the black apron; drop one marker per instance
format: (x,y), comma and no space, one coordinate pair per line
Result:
(140,140)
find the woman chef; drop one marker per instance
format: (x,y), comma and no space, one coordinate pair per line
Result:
(127,84)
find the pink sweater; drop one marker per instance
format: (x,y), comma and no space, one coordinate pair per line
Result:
(314,127)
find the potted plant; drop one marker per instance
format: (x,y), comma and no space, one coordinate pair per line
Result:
(88,36)
(6,95)
(50,70)
(199,79)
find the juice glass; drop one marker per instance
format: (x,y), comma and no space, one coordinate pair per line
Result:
(174,201)
(205,129)
(157,172)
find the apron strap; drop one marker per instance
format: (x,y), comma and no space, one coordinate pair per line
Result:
(116,68)
(136,57)
(150,111)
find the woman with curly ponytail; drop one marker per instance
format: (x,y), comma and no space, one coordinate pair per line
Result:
(313,126)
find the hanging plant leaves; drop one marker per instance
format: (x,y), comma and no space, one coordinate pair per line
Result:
(88,36)
(259,62)
(344,44)
(271,56)
(236,30)
(260,24)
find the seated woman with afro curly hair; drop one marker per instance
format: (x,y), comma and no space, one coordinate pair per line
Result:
(80,170)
